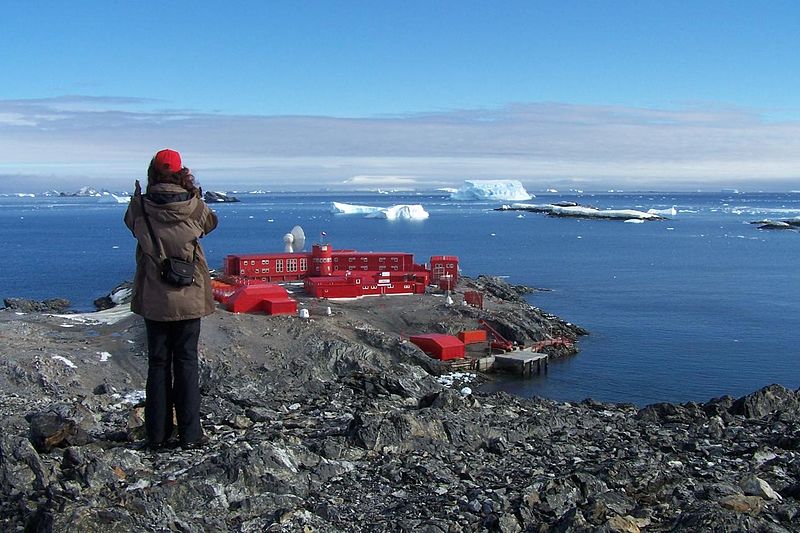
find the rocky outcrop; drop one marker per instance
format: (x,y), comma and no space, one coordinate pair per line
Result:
(212,197)
(369,453)
(23,305)
(336,424)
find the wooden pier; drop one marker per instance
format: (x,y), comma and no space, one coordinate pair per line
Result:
(522,362)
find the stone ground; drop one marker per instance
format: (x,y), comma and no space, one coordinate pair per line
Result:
(336,423)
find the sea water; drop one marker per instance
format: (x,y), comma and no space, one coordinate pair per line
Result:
(701,305)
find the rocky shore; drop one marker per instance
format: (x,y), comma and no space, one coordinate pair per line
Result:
(338,423)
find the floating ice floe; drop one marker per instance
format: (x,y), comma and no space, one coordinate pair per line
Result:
(114,199)
(395,212)
(672,211)
(634,221)
(65,361)
(502,190)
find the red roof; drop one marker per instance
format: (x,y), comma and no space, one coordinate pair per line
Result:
(438,338)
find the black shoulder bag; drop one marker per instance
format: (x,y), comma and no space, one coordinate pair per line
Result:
(174,271)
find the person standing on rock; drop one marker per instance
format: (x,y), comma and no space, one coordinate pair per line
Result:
(171,291)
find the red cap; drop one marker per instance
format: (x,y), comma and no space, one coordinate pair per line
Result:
(168,161)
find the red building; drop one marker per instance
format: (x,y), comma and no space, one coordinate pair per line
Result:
(329,273)
(439,346)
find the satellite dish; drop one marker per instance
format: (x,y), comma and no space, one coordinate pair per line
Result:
(288,243)
(299,238)
(295,240)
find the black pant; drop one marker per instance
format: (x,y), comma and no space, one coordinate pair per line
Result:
(172,380)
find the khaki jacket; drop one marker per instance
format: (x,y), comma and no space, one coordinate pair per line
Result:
(178,223)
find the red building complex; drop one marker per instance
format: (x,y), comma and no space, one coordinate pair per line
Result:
(329,273)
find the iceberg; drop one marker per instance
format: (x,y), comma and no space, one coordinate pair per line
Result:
(339,208)
(395,212)
(668,212)
(404,212)
(114,199)
(506,190)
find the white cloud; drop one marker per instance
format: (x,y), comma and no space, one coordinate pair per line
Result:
(109,141)
(381,181)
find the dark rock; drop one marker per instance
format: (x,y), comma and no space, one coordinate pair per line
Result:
(766,401)
(500,288)
(21,469)
(59,427)
(120,294)
(23,305)
(212,197)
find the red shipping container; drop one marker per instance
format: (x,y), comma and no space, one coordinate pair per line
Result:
(473,336)
(439,346)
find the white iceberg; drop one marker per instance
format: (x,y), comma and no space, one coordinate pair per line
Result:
(395,212)
(339,208)
(404,212)
(672,211)
(114,199)
(506,190)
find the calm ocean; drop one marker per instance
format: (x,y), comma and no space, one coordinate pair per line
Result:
(685,309)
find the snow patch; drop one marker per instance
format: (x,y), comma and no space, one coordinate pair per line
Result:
(511,190)
(107,316)
(448,380)
(581,211)
(134,397)
(119,296)
(104,356)
(65,361)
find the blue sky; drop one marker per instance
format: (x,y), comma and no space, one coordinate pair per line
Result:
(644,94)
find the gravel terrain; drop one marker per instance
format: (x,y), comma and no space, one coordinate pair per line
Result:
(338,423)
